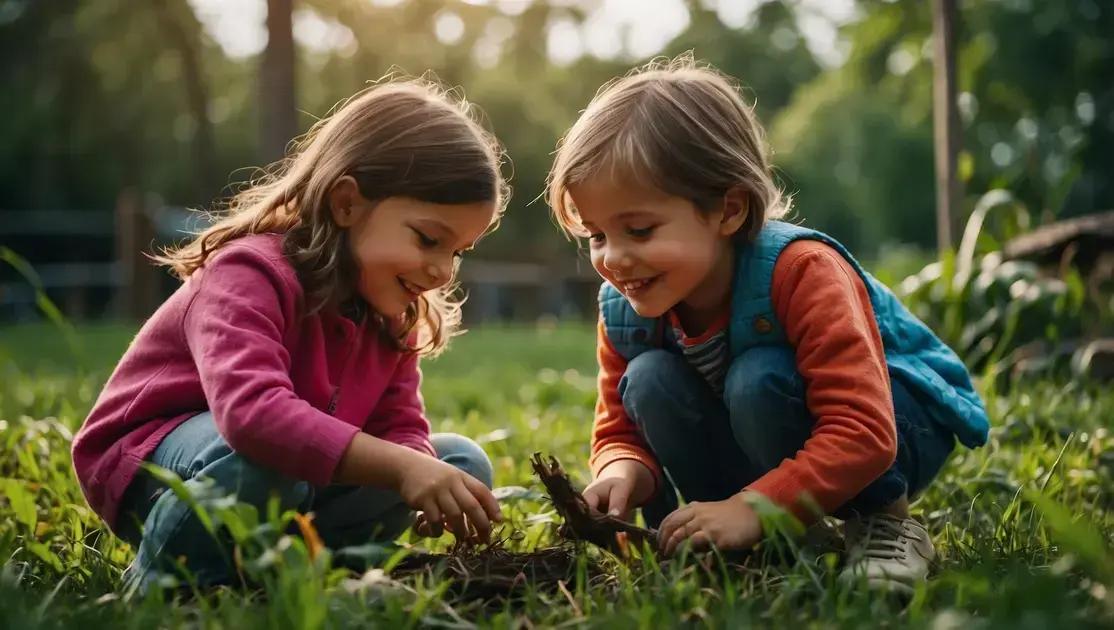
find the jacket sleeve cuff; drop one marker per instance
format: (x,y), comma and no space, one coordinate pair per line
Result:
(602,459)
(330,441)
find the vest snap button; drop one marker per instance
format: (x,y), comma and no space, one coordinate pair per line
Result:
(762,325)
(639,335)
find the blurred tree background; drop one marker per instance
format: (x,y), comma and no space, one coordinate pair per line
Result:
(104,96)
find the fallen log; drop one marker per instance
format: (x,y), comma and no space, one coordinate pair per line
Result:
(1085,240)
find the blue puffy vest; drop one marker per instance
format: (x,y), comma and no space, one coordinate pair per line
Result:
(915,355)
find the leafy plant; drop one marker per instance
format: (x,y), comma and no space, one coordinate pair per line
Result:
(1023,526)
(985,307)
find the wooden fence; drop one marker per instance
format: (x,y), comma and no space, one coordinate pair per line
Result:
(93,264)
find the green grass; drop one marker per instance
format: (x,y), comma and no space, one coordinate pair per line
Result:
(1024,526)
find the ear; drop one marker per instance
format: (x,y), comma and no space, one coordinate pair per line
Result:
(344,198)
(736,209)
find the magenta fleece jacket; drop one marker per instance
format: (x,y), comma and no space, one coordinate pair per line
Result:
(287,391)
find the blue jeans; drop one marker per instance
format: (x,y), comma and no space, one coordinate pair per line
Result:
(344,515)
(711,447)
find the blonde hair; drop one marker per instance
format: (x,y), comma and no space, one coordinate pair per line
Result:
(400,137)
(674,125)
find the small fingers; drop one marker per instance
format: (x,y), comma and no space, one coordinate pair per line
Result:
(594,496)
(680,535)
(671,523)
(618,498)
(431,514)
(472,509)
(454,516)
(700,540)
(674,539)
(487,500)
(593,501)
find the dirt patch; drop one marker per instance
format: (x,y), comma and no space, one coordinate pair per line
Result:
(492,571)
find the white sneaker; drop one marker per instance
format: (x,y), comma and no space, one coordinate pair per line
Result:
(887,552)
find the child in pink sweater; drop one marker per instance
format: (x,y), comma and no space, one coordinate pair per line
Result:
(287,363)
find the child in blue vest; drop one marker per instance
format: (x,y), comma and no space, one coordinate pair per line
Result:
(742,356)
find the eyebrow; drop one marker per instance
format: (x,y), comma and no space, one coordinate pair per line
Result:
(634,214)
(627,214)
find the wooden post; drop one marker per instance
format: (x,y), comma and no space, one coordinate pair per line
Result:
(277,101)
(180,27)
(139,278)
(945,119)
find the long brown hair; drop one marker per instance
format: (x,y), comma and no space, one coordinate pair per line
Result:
(400,137)
(677,126)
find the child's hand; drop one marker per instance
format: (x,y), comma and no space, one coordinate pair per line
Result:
(447,495)
(622,484)
(424,528)
(728,524)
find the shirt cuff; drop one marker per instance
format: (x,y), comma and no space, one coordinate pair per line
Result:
(330,441)
(602,459)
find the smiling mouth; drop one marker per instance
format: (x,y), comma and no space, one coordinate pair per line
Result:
(635,287)
(411,288)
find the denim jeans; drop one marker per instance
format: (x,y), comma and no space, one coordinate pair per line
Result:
(344,515)
(712,447)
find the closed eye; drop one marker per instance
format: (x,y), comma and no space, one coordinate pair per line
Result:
(642,232)
(425,239)
(596,238)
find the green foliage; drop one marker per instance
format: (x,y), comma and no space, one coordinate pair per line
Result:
(984,307)
(122,127)
(836,147)
(1023,526)
(102,97)
(46,306)
(1035,109)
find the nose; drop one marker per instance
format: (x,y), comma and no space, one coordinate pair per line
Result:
(616,257)
(440,272)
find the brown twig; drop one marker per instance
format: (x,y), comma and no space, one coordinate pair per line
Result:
(581,523)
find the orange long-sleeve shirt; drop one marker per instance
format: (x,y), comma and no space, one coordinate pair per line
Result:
(825,309)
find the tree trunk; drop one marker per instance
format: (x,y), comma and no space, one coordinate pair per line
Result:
(277,105)
(945,119)
(140,279)
(186,39)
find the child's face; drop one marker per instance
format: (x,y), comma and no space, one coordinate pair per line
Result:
(405,247)
(657,249)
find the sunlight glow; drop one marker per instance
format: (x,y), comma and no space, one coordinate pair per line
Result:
(563,43)
(448,27)
(321,34)
(612,28)
(238,26)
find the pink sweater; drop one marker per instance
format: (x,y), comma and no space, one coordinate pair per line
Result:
(288,392)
